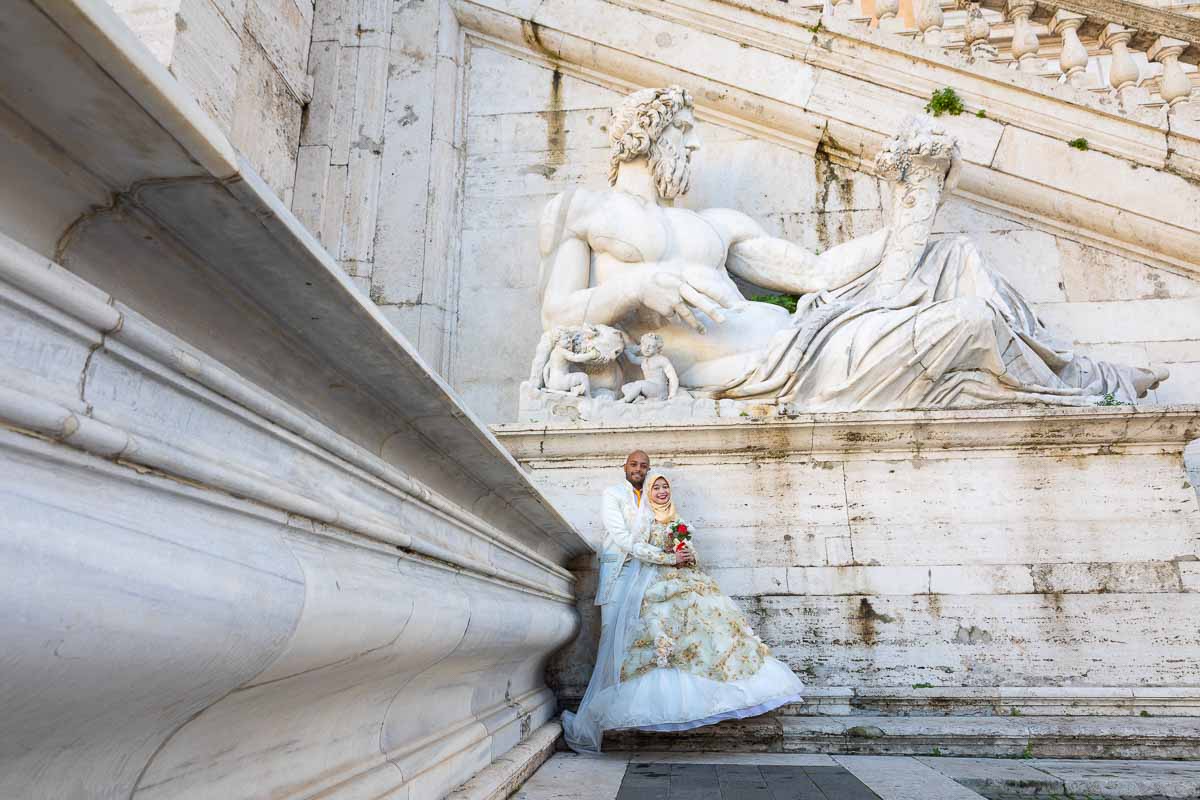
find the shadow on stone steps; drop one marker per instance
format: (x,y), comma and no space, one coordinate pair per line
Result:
(1061,737)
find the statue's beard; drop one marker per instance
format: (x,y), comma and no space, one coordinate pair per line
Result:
(672,170)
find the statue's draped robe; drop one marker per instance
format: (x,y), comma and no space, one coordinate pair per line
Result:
(955,335)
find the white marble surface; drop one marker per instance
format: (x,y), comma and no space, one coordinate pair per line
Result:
(986,550)
(257,547)
(245,63)
(532,131)
(895,778)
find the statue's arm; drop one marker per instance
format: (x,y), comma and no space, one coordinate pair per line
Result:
(566,264)
(672,379)
(579,358)
(541,357)
(783,266)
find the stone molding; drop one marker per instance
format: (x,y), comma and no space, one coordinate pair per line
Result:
(874,434)
(1173,701)
(1023,110)
(200,717)
(168,169)
(254,546)
(151,350)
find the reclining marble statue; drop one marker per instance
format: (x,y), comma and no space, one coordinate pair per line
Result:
(891,320)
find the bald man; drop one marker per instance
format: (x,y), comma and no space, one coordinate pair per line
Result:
(618,509)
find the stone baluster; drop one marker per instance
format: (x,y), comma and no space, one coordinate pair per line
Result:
(1123,72)
(843,9)
(976,33)
(889,19)
(1175,86)
(1025,41)
(929,20)
(1073,59)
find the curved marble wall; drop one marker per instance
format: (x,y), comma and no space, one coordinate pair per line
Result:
(202,602)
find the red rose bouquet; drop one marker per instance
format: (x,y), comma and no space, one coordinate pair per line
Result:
(681,534)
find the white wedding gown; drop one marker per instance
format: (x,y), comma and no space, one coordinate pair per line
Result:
(678,654)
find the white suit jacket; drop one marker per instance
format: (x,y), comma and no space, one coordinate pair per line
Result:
(618,511)
(618,508)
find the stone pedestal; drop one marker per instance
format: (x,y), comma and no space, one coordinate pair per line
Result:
(1007,562)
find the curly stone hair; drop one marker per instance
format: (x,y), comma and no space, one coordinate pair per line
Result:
(639,121)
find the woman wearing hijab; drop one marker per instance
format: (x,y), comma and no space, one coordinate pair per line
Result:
(679,653)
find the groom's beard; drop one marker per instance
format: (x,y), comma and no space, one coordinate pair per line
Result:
(671,169)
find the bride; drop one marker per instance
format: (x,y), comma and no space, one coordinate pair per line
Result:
(678,654)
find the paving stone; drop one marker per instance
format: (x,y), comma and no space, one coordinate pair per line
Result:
(568,776)
(1157,779)
(900,778)
(991,775)
(790,783)
(742,781)
(837,783)
(695,782)
(778,759)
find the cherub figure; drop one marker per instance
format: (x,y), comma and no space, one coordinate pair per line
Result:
(591,346)
(659,379)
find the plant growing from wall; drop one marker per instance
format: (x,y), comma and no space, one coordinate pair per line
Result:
(1079,144)
(1110,400)
(945,101)
(787,301)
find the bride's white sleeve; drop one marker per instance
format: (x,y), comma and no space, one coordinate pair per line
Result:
(626,540)
(644,551)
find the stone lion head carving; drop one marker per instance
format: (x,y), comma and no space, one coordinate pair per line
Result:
(639,127)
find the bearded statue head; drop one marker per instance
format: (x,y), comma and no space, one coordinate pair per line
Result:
(650,123)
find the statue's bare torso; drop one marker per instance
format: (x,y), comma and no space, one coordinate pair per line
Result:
(628,237)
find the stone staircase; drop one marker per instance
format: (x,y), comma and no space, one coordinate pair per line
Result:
(1012,723)
(1063,737)
(995,722)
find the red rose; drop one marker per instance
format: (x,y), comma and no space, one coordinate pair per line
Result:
(681,528)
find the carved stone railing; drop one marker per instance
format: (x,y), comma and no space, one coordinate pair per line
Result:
(1142,57)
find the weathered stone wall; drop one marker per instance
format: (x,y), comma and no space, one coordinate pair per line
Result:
(252,546)
(245,62)
(963,552)
(533,132)
(380,157)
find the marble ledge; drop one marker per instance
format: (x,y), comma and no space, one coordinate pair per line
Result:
(902,434)
(77,69)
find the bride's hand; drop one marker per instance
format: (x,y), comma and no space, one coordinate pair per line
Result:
(684,557)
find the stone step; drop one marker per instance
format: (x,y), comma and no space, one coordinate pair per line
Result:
(996,736)
(999,701)
(1111,737)
(1007,779)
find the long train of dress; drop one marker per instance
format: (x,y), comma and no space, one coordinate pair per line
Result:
(679,654)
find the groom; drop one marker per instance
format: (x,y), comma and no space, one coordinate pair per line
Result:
(618,510)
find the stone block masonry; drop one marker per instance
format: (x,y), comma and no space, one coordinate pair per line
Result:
(536,129)
(928,562)
(380,167)
(253,547)
(246,64)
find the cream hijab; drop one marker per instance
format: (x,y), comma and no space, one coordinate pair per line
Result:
(664,513)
